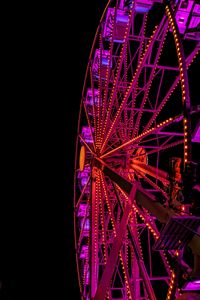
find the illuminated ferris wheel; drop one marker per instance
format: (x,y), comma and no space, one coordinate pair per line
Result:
(132,215)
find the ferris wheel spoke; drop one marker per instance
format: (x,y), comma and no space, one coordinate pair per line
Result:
(112,259)
(143,197)
(142,267)
(146,138)
(94,112)
(100,88)
(94,230)
(109,205)
(113,143)
(134,94)
(163,142)
(143,135)
(108,71)
(163,102)
(126,274)
(117,76)
(115,223)
(103,224)
(137,55)
(150,79)
(114,255)
(158,139)
(133,81)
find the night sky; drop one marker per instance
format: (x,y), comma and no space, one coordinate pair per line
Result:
(46,50)
(50,49)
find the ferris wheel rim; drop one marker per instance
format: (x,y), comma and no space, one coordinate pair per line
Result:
(82,104)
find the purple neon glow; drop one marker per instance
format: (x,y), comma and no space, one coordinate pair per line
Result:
(142,6)
(83,210)
(85,224)
(121,23)
(86,134)
(188,19)
(83,177)
(85,172)
(84,252)
(192,286)
(104,63)
(90,95)
(196,134)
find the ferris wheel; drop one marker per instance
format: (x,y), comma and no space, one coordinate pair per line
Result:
(132,206)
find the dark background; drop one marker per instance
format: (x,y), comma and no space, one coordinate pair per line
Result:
(45,54)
